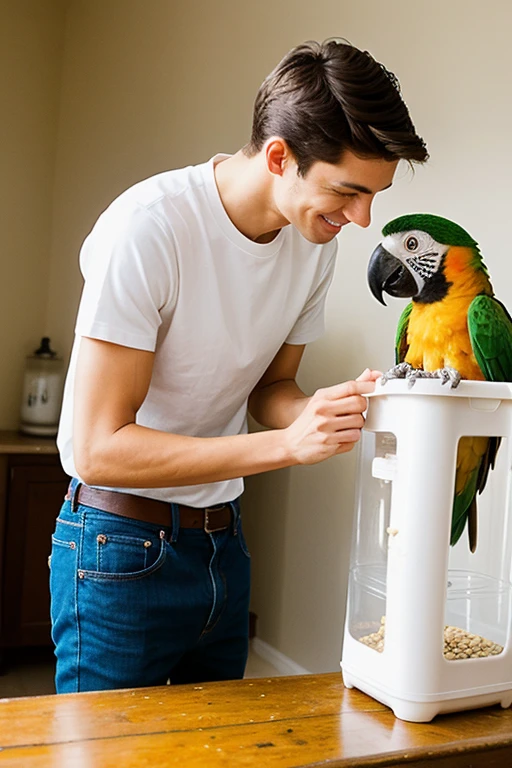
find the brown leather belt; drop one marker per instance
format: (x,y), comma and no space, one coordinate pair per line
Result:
(211,519)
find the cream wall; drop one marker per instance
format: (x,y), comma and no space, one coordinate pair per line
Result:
(31,44)
(150,85)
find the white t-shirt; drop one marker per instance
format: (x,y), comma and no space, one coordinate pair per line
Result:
(166,271)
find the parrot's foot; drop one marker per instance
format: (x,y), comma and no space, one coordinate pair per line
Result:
(448,374)
(406,371)
(400,371)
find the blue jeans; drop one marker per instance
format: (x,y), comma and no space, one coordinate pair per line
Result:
(134,605)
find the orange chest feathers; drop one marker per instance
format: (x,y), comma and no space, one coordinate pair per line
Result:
(438,334)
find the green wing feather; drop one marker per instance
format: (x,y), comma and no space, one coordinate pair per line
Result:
(401,345)
(490,332)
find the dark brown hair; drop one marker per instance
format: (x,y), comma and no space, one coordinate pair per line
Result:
(325,98)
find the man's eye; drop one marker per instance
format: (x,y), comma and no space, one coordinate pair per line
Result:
(411,243)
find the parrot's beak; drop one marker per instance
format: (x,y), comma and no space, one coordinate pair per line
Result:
(387,273)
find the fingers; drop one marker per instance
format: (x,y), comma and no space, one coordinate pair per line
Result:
(344,441)
(369,375)
(344,406)
(345,447)
(349,388)
(341,436)
(352,423)
(331,421)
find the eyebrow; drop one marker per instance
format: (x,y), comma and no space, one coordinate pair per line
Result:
(359,187)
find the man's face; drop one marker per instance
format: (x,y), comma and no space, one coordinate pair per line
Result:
(332,195)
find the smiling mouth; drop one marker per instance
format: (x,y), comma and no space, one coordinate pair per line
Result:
(331,222)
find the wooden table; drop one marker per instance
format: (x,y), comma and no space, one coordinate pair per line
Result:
(286,721)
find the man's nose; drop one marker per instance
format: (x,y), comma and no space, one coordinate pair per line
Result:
(360,213)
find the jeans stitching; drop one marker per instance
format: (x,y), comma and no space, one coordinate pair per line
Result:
(242,542)
(99,576)
(61,543)
(207,626)
(77,612)
(67,522)
(121,539)
(217,609)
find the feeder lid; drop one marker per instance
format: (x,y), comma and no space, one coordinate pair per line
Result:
(491,390)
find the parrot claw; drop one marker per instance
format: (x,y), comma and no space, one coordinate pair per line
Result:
(445,374)
(411,375)
(449,374)
(400,371)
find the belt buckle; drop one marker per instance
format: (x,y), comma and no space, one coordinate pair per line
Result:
(207,527)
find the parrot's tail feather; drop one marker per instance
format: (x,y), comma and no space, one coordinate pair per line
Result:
(464,503)
(472,525)
(457,531)
(488,462)
(462,506)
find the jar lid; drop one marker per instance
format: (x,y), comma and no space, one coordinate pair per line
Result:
(45,349)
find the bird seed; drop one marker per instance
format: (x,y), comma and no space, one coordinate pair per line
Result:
(458,643)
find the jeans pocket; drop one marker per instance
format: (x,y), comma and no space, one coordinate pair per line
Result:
(121,575)
(63,568)
(123,554)
(60,544)
(119,549)
(66,537)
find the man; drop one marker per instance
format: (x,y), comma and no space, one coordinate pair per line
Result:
(202,287)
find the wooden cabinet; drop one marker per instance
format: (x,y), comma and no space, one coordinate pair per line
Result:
(32,487)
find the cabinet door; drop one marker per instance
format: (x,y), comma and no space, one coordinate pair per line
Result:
(34,497)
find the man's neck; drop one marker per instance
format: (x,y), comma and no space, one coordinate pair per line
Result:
(245,189)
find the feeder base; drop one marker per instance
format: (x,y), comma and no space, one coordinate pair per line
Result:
(425,711)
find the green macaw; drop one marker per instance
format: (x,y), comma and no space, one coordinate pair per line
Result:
(453,328)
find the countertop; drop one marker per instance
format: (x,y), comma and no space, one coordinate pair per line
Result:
(285,722)
(15,442)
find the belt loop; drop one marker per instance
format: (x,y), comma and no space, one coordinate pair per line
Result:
(75,488)
(175,522)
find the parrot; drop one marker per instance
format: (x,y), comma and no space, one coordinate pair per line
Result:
(454,328)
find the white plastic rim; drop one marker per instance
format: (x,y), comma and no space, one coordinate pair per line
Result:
(492,390)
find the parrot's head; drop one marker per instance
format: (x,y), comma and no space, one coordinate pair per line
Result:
(411,259)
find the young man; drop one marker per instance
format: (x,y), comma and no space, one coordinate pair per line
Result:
(202,287)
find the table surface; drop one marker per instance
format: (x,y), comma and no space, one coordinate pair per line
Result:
(303,721)
(15,442)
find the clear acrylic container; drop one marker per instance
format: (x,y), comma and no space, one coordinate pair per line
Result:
(428,625)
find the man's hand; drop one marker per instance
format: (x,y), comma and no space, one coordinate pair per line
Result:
(332,420)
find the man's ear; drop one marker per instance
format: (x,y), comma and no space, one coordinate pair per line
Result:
(278,155)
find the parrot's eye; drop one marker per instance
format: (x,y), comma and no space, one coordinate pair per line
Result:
(411,243)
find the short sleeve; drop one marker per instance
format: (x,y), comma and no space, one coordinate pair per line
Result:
(129,266)
(310,324)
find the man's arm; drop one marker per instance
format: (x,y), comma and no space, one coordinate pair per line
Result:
(111,449)
(277,400)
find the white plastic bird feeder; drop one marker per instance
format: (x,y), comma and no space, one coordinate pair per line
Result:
(428,626)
